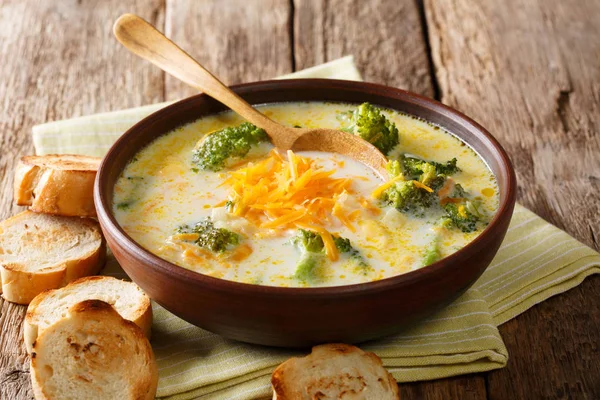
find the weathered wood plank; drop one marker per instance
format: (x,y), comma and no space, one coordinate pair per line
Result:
(238,40)
(14,362)
(59,60)
(14,379)
(553,349)
(469,387)
(385,37)
(529,72)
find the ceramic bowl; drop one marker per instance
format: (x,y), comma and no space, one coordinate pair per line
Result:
(297,317)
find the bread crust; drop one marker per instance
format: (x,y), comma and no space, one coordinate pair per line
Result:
(291,381)
(142,313)
(57,184)
(94,319)
(20,285)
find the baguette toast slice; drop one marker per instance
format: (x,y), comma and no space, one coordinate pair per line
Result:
(40,252)
(57,184)
(331,372)
(53,305)
(93,354)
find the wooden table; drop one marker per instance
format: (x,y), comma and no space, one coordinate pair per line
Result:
(528,70)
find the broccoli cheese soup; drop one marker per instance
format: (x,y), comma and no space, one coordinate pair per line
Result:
(229,205)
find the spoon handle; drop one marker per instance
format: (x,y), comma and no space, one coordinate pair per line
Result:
(146,41)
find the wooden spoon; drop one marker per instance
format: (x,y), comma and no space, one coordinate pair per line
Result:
(141,38)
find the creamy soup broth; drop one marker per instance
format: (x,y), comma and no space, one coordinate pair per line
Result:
(160,190)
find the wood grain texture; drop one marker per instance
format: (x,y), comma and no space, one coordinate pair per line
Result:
(468,387)
(14,361)
(59,60)
(237,40)
(529,72)
(385,37)
(553,349)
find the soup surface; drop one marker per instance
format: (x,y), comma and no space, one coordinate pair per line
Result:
(268,200)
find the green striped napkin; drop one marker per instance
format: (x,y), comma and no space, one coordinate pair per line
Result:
(536,261)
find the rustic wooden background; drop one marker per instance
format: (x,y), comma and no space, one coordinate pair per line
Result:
(528,70)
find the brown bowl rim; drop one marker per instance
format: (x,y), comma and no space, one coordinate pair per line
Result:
(103,205)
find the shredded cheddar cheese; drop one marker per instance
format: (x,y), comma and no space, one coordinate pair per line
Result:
(369,206)
(423,186)
(380,189)
(330,247)
(241,253)
(280,194)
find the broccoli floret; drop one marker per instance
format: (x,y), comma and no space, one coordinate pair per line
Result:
(309,241)
(405,196)
(464,216)
(415,166)
(312,253)
(218,147)
(458,192)
(306,266)
(344,246)
(412,166)
(448,168)
(394,168)
(211,238)
(311,247)
(445,222)
(368,122)
(461,212)
(430,173)
(432,252)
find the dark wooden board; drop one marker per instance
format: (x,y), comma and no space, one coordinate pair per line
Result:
(553,349)
(385,37)
(238,40)
(529,72)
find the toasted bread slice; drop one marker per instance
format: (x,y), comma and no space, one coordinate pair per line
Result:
(334,371)
(52,305)
(93,354)
(40,252)
(57,184)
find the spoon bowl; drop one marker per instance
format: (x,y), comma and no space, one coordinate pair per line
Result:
(144,40)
